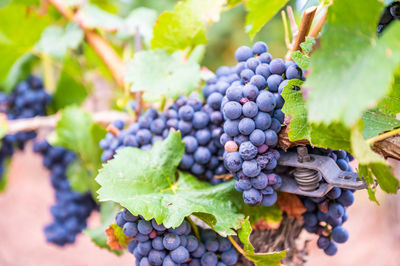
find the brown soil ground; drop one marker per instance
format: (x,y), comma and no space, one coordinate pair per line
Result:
(24,207)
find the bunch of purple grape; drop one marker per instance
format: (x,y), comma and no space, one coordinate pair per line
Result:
(28,99)
(201,127)
(149,128)
(249,97)
(326,215)
(199,124)
(72,208)
(153,244)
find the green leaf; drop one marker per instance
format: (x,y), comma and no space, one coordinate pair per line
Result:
(185,27)
(354,68)
(260,259)
(295,110)
(159,74)
(19,71)
(145,182)
(376,122)
(108,211)
(307,45)
(93,17)
(78,176)
(55,41)
(259,13)
(76,131)
(372,161)
(301,60)
(142,18)
(270,214)
(334,136)
(4,3)
(19,33)
(390,104)
(69,83)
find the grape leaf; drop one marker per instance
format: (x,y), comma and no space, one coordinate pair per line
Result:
(259,13)
(69,83)
(301,60)
(147,183)
(108,211)
(55,41)
(291,204)
(390,104)
(367,175)
(160,74)
(116,238)
(295,110)
(77,132)
(260,259)
(344,79)
(271,215)
(186,25)
(334,136)
(92,16)
(376,122)
(141,18)
(19,33)
(372,161)
(19,71)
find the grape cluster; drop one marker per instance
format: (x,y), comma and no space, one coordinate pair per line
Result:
(390,14)
(326,215)
(28,99)
(199,124)
(249,97)
(201,127)
(72,208)
(149,128)
(153,244)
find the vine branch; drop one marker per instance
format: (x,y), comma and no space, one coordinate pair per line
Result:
(103,49)
(50,122)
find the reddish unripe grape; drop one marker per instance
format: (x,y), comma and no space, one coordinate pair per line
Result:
(231,146)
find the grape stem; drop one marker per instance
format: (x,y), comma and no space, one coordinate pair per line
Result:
(194,227)
(383,136)
(103,49)
(286,28)
(41,122)
(304,29)
(318,26)
(236,245)
(293,25)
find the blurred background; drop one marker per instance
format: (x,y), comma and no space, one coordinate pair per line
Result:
(24,205)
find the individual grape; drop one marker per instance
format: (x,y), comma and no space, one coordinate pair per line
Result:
(156,257)
(191,144)
(346,198)
(186,113)
(257,137)
(262,120)
(252,63)
(258,81)
(231,146)
(277,66)
(260,182)
(246,75)
(247,150)
(250,109)
(180,255)
(144,227)
(266,101)
(249,91)
(231,127)
(201,120)
(265,58)
(334,193)
(232,110)
(202,155)
(233,161)
(246,126)
(259,48)
(336,210)
(214,100)
(273,82)
(243,53)
(271,138)
(339,234)
(130,229)
(293,72)
(235,93)
(251,168)
(252,197)
(331,249)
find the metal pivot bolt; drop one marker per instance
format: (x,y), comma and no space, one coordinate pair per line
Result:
(307,179)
